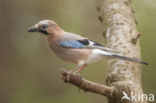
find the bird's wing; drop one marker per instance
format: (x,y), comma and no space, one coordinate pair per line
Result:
(85,43)
(71,44)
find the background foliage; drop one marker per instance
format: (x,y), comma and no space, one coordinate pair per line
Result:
(30,72)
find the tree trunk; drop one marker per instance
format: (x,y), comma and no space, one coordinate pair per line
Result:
(117,17)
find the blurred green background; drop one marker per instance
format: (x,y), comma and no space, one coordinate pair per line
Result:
(30,72)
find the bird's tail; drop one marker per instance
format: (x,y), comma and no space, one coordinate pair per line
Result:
(129,59)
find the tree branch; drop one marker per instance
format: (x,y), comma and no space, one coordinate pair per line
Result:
(86,85)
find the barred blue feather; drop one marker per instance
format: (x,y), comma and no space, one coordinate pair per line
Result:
(72,44)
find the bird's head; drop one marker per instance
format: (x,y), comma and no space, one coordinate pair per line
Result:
(45,27)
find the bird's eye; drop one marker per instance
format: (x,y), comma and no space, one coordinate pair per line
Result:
(44,26)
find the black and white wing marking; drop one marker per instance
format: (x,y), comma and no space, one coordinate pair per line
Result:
(89,42)
(94,45)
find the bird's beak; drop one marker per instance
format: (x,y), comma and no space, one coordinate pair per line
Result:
(32,29)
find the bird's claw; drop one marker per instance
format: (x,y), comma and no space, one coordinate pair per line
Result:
(66,75)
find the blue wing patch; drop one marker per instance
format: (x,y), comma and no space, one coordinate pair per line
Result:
(71,44)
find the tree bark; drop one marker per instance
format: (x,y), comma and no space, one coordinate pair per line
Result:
(117,17)
(119,24)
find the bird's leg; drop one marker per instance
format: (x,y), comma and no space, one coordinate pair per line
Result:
(79,69)
(74,69)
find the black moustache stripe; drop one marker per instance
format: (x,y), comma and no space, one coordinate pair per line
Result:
(44,32)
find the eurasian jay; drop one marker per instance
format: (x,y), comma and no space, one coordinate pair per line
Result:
(75,48)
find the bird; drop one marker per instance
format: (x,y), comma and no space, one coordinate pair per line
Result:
(74,48)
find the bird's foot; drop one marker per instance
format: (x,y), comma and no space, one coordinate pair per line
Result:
(68,74)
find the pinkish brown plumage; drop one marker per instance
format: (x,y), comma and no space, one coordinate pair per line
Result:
(74,48)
